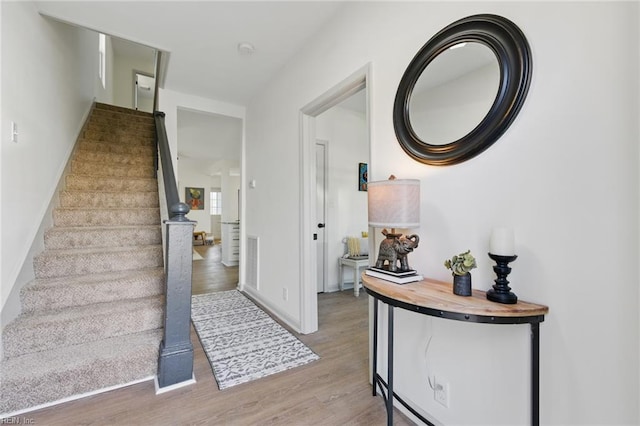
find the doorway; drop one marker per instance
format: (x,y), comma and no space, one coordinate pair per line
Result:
(143,91)
(209,157)
(321,213)
(353,84)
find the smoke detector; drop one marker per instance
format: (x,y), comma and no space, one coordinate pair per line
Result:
(246,49)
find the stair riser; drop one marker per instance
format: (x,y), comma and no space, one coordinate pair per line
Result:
(51,265)
(67,238)
(100,169)
(65,295)
(74,331)
(96,147)
(114,116)
(110,184)
(118,133)
(126,360)
(115,128)
(112,109)
(108,199)
(121,138)
(115,217)
(114,159)
(99,123)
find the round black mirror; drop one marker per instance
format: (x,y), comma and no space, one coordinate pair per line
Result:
(462,90)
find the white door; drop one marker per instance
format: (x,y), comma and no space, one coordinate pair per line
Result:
(144,92)
(321,188)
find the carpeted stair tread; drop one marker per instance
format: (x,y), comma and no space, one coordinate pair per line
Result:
(105,217)
(120,138)
(114,158)
(101,236)
(44,330)
(100,122)
(80,290)
(95,168)
(119,129)
(99,106)
(45,377)
(111,118)
(135,130)
(91,183)
(81,261)
(95,199)
(87,145)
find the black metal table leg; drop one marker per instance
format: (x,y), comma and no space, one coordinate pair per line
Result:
(374,372)
(535,374)
(390,369)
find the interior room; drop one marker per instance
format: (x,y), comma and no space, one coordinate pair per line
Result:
(556,163)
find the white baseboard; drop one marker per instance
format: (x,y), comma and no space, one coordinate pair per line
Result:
(291,322)
(166,389)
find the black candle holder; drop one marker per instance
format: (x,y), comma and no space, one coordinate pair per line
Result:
(501,292)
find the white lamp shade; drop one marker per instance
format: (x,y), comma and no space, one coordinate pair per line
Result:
(394,203)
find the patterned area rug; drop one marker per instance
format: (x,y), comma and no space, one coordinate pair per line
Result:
(241,341)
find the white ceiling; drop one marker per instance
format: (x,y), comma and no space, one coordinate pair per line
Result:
(212,140)
(133,50)
(202,37)
(201,40)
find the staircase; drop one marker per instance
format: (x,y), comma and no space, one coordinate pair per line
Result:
(92,318)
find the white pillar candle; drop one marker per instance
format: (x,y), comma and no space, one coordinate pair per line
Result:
(502,242)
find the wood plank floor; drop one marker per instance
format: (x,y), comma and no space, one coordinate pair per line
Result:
(331,391)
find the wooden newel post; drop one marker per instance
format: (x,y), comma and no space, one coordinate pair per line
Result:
(175,361)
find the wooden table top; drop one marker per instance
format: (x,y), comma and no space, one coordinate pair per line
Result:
(438,296)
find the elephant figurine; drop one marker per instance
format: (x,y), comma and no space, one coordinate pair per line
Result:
(396,247)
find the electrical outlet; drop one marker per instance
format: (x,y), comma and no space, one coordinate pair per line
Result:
(441,392)
(285,294)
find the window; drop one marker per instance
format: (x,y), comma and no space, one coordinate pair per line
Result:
(215,201)
(102,64)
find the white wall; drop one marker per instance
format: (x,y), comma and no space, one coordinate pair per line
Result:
(346,133)
(231,184)
(124,68)
(48,81)
(564,176)
(169,102)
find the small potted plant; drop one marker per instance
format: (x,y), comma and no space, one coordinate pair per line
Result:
(460,266)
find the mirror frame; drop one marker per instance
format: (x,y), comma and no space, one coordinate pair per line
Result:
(513,53)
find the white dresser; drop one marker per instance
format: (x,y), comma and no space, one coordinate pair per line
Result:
(230,243)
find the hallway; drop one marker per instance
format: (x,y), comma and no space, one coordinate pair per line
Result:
(332,391)
(209,274)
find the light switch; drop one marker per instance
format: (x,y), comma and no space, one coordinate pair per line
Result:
(14,132)
(252,183)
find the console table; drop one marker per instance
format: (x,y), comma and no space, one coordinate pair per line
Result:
(436,298)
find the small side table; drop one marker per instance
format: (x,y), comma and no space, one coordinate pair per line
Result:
(356,263)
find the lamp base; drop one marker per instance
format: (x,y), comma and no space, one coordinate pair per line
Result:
(502,297)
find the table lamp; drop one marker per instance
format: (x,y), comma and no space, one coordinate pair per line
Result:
(394,203)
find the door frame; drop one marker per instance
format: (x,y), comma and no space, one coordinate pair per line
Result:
(325,247)
(135,86)
(357,81)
